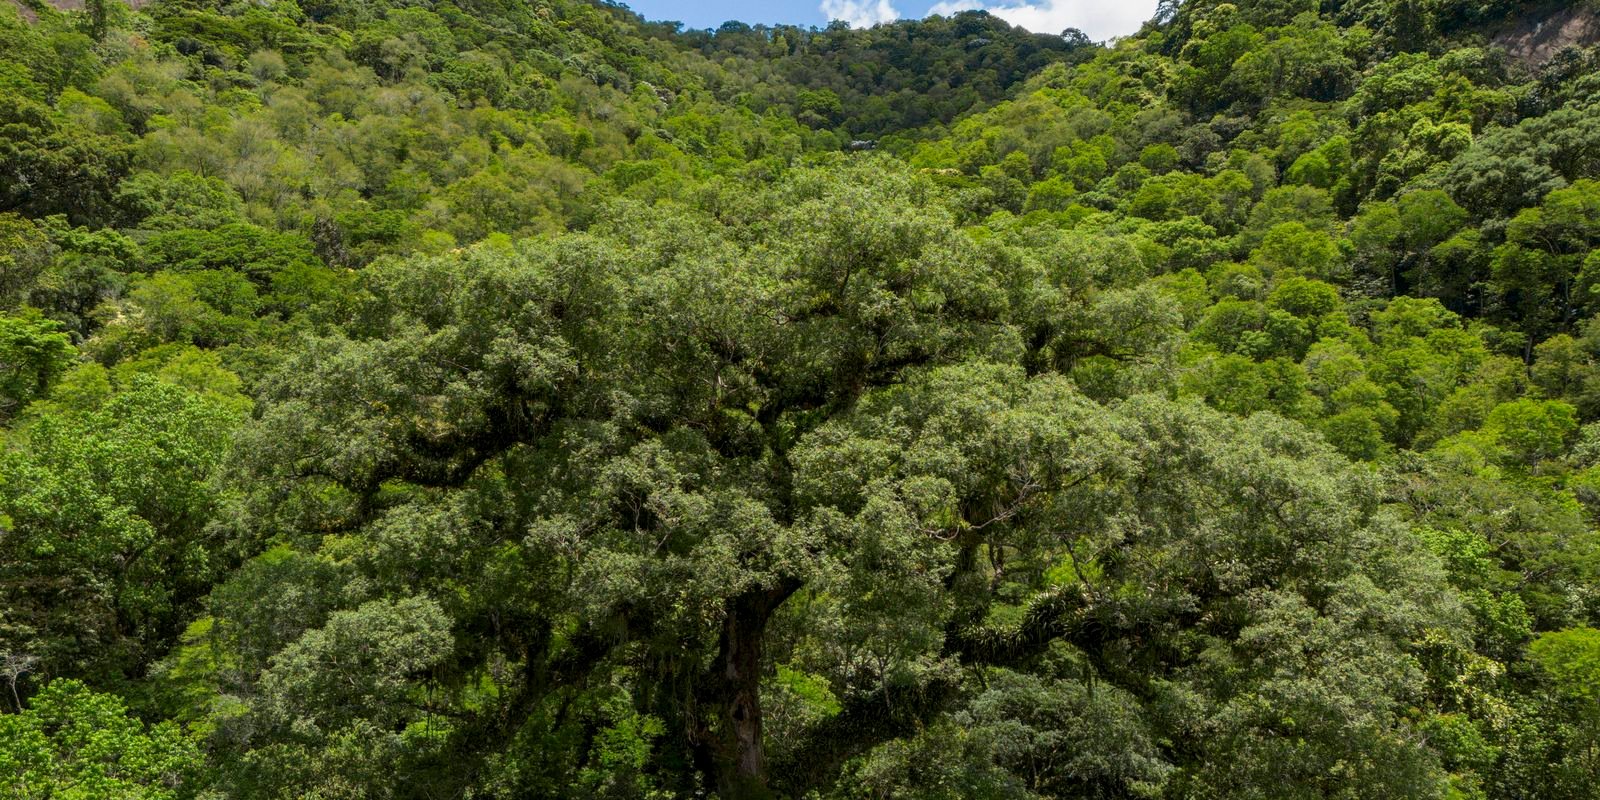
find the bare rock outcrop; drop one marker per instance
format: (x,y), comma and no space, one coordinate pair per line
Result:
(1537,37)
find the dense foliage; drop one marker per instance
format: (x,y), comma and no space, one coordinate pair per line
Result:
(518,399)
(888,80)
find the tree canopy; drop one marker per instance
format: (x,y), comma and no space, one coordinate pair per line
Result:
(504,399)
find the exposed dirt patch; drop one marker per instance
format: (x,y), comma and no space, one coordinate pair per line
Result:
(27,13)
(1536,37)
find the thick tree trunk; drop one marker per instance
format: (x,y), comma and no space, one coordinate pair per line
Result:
(733,696)
(743,771)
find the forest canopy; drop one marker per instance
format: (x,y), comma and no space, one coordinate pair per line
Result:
(522,399)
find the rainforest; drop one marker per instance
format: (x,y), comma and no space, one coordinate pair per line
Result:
(500,399)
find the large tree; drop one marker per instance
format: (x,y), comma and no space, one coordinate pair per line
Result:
(595,496)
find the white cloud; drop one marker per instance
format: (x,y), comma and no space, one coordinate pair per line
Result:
(860,13)
(1099,19)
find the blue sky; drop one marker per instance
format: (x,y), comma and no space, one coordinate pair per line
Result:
(1098,18)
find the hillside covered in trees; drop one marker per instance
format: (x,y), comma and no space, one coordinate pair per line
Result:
(520,399)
